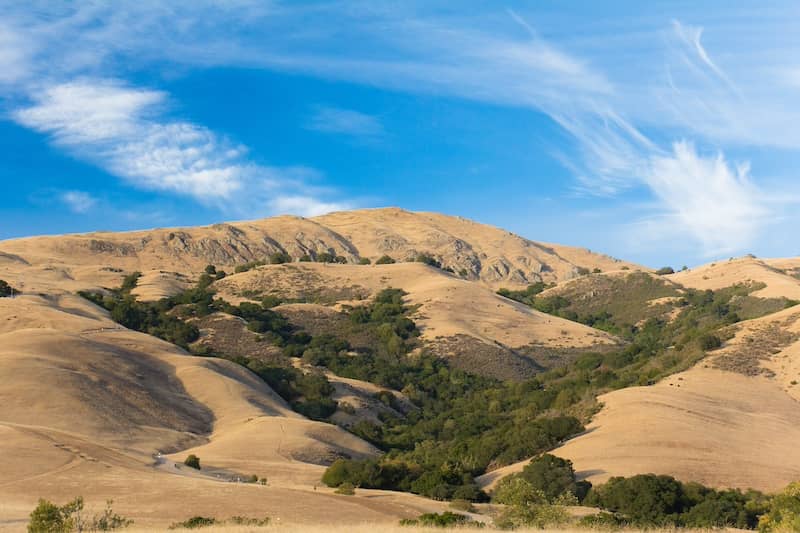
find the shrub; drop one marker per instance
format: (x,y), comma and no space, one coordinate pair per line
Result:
(540,516)
(270,301)
(663,271)
(553,476)
(783,511)
(445,519)
(385,260)
(649,500)
(109,520)
(194,523)
(346,489)
(48,517)
(130,281)
(248,266)
(245,521)
(709,342)
(305,258)
(364,261)
(5,289)
(192,461)
(279,258)
(516,490)
(428,260)
(644,499)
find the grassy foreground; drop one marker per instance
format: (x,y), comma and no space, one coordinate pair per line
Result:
(394,528)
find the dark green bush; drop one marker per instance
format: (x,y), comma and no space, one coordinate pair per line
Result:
(709,342)
(279,258)
(384,260)
(428,260)
(649,500)
(5,289)
(194,522)
(445,519)
(554,476)
(192,461)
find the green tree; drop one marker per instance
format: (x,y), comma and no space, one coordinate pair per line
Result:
(385,260)
(553,476)
(130,281)
(645,499)
(192,461)
(515,490)
(784,511)
(48,517)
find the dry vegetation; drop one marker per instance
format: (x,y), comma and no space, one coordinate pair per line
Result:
(85,405)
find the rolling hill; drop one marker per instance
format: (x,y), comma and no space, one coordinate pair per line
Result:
(89,407)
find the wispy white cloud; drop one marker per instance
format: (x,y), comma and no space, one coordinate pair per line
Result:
(305,206)
(345,121)
(118,128)
(79,202)
(57,59)
(627,107)
(125,131)
(14,55)
(708,198)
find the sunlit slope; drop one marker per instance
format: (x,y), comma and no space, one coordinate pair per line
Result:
(85,405)
(490,254)
(474,251)
(731,421)
(778,283)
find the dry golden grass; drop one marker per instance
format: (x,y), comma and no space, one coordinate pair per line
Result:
(448,306)
(707,425)
(395,528)
(84,405)
(491,255)
(740,271)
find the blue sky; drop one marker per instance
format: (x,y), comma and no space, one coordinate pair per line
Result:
(664,133)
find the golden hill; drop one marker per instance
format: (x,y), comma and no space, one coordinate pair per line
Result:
(475,251)
(86,406)
(730,421)
(772,273)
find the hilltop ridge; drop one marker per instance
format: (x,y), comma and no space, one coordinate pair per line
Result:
(470,250)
